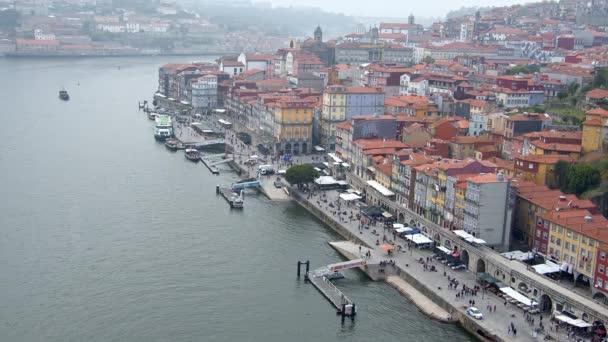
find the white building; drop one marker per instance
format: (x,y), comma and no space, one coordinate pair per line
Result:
(204,93)
(488,209)
(416,86)
(478,124)
(40,35)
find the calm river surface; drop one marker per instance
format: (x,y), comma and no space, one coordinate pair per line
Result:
(107,236)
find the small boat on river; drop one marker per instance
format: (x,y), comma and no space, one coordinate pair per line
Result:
(192,154)
(172,144)
(63,94)
(152,115)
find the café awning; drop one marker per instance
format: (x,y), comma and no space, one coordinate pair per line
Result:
(518,296)
(380,188)
(349,197)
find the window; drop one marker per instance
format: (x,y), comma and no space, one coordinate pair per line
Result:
(553,239)
(545,235)
(601,267)
(567,245)
(560,230)
(603,255)
(558,242)
(591,242)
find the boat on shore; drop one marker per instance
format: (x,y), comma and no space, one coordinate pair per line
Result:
(163,129)
(63,95)
(172,144)
(192,154)
(152,115)
(236,200)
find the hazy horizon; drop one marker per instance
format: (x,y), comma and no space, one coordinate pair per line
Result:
(392,8)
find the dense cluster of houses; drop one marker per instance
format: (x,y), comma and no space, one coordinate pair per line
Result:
(436,120)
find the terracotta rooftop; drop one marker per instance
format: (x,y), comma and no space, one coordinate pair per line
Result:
(597,94)
(556,147)
(366,144)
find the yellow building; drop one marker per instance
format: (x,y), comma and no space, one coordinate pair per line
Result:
(573,239)
(293,125)
(540,148)
(595,131)
(539,169)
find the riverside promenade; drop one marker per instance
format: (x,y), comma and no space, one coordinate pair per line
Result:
(495,324)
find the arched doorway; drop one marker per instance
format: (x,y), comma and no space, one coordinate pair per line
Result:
(600,297)
(413,223)
(296,149)
(288,148)
(424,229)
(481,266)
(464,257)
(304,148)
(447,244)
(546,304)
(401,217)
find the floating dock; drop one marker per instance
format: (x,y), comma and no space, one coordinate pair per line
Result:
(209,164)
(229,196)
(331,292)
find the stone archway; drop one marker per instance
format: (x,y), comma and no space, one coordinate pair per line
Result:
(296,148)
(437,239)
(288,148)
(464,257)
(412,223)
(424,229)
(401,217)
(600,297)
(481,266)
(546,304)
(447,244)
(304,148)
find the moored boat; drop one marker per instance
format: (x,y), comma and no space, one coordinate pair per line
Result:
(63,94)
(192,154)
(152,115)
(163,129)
(172,144)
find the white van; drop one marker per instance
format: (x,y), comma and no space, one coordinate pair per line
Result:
(265,169)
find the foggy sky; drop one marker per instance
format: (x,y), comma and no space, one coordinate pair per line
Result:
(392,8)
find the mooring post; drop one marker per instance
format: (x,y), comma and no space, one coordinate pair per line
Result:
(307,266)
(299,263)
(343,313)
(353,312)
(217,189)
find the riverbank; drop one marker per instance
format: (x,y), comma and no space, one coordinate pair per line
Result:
(431,285)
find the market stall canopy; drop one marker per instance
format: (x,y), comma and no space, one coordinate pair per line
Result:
(518,255)
(468,237)
(419,239)
(398,225)
(444,250)
(547,267)
(335,158)
(575,322)
(319,149)
(518,296)
(325,180)
(349,197)
(387,247)
(380,188)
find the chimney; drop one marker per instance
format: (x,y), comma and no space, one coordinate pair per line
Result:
(588,218)
(562,198)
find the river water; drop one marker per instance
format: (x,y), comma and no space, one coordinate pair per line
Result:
(107,236)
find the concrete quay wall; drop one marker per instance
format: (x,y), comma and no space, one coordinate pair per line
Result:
(466,322)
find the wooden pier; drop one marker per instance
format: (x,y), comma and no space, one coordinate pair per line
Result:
(331,292)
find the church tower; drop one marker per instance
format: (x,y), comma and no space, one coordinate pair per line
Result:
(410,19)
(318,35)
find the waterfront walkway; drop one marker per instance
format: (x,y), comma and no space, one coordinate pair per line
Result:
(406,260)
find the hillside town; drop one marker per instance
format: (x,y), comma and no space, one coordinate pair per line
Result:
(494,123)
(117,28)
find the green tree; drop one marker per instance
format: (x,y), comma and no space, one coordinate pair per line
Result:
(601,78)
(561,173)
(580,178)
(428,60)
(562,95)
(301,174)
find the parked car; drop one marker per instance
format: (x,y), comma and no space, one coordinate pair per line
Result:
(458,267)
(475,313)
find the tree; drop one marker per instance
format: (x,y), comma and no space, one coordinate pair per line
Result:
(428,60)
(580,178)
(301,174)
(601,78)
(562,95)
